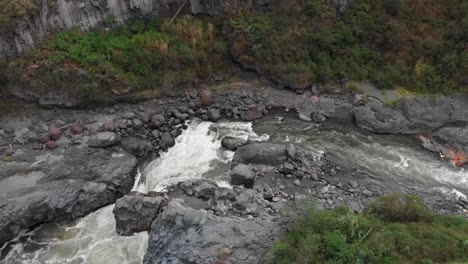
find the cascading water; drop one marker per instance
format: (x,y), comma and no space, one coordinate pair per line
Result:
(197,154)
(92,239)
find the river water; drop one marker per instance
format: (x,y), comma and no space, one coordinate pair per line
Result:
(198,154)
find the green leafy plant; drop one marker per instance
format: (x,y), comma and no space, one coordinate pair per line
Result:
(394,229)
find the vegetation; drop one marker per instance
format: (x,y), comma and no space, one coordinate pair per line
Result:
(394,229)
(144,55)
(420,45)
(10,9)
(417,46)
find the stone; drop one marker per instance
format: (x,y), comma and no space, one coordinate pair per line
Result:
(135,212)
(291,151)
(158,120)
(43,138)
(109,127)
(260,153)
(233,143)
(319,117)
(137,123)
(51,144)
(185,235)
(166,141)
(297,182)
(242,174)
(77,127)
(288,168)
(103,139)
(156,134)
(136,145)
(214,114)
(268,192)
(67,185)
(55,133)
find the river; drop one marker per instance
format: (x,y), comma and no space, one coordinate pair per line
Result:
(397,160)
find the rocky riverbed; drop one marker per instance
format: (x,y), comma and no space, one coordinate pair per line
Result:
(63,164)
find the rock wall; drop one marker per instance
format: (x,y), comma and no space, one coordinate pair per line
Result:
(24,33)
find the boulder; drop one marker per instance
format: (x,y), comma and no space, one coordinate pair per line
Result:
(456,137)
(103,139)
(260,153)
(64,186)
(135,212)
(137,146)
(55,133)
(166,141)
(233,143)
(242,174)
(214,114)
(186,235)
(158,120)
(77,127)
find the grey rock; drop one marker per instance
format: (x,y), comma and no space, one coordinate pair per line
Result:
(214,114)
(135,212)
(64,186)
(291,151)
(158,121)
(103,139)
(156,134)
(319,117)
(456,137)
(260,153)
(297,182)
(242,174)
(167,141)
(137,123)
(137,146)
(233,143)
(185,235)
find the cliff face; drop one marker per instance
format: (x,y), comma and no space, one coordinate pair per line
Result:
(24,33)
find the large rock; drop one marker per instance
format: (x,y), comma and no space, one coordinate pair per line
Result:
(167,141)
(185,235)
(135,212)
(158,120)
(260,153)
(242,174)
(137,146)
(456,137)
(214,114)
(38,186)
(420,114)
(233,143)
(103,139)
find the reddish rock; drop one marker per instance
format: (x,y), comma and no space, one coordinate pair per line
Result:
(206,98)
(51,144)
(55,133)
(315,99)
(77,127)
(253,114)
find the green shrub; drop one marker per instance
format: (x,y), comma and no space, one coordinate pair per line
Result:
(395,229)
(392,7)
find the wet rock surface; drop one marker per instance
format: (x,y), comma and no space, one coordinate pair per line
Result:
(135,212)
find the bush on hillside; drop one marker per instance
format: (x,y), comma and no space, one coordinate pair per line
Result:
(395,229)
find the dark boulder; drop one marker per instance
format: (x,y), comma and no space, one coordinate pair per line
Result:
(260,153)
(103,139)
(167,141)
(242,174)
(233,143)
(158,120)
(137,146)
(135,212)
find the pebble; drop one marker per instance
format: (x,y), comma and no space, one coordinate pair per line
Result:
(297,182)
